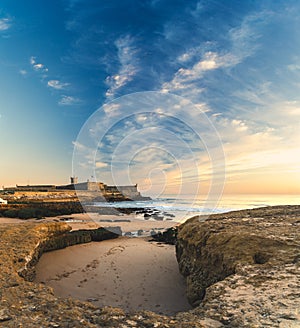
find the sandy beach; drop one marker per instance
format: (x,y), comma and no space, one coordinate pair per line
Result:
(130,273)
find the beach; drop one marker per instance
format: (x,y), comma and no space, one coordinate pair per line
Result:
(131,273)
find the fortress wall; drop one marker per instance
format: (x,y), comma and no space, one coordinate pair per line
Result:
(129,191)
(44,194)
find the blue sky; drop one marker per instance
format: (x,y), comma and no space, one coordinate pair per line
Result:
(238,62)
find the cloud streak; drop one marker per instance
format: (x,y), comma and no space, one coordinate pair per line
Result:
(38,67)
(68,101)
(5,24)
(57,85)
(127,58)
(185,78)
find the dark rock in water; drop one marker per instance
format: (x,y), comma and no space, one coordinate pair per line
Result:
(128,234)
(169,215)
(157,217)
(153,233)
(147,215)
(169,236)
(121,220)
(140,232)
(65,219)
(142,211)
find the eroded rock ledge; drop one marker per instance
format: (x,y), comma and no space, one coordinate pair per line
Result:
(242,270)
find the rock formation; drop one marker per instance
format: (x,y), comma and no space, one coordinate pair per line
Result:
(242,270)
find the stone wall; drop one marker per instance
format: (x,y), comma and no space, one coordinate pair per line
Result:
(129,191)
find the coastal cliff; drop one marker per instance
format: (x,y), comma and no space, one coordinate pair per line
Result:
(242,270)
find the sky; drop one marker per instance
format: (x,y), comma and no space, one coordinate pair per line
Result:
(183,96)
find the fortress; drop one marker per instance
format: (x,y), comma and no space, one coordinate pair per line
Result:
(97,191)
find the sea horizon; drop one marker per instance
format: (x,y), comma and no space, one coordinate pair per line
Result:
(186,206)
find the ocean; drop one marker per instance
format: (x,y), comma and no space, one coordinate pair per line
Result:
(185,206)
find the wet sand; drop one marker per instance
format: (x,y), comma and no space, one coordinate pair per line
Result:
(11,220)
(130,273)
(94,221)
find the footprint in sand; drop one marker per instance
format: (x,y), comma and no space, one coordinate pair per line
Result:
(115,250)
(91,266)
(59,277)
(81,282)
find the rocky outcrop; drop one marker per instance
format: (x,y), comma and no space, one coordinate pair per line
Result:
(243,268)
(31,305)
(58,237)
(169,236)
(39,209)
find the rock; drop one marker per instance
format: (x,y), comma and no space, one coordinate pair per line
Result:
(169,236)
(210,323)
(240,267)
(4,315)
(289,324)
(157,217)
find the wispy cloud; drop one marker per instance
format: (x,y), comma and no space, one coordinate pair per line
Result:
(191,54)
(5,24)
(184,78)
(100,165)
(244,38)
(199,60)
(39,67)
(65,100)
(58,85)
(68,101)
(23,72)
(261,144)
(128,68)
(294,67)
